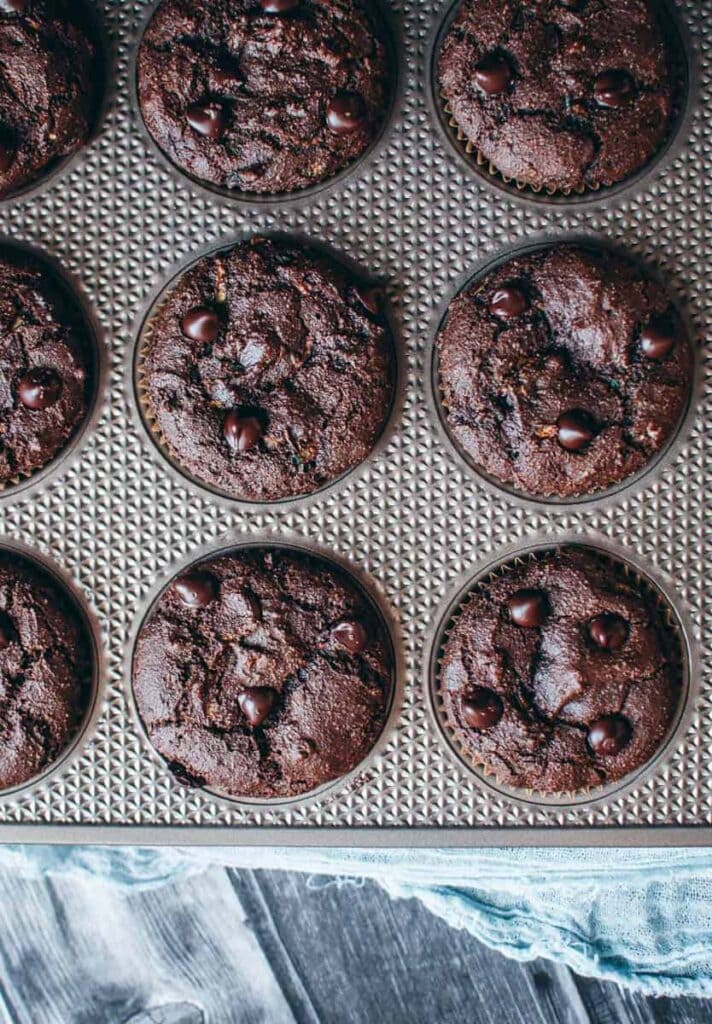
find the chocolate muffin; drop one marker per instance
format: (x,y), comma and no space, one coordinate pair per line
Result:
(263,673)
(564,370)
(560,673)
(560,94)
(45,670)
(268,371)
(50,87)
(47,366)
(263,96)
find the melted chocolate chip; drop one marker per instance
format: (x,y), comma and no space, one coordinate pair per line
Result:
(256,702)
(278,6)
(575,430)
(197,589)
(370,299)
(528,608)
(609,631)
(482,708)
(209,119)
(39,388)
(201,324)
(7,631)
(242,432)
(613,88)
(608,735)
(493,74)
(657,339)
(351,635)
(507,303)
(346,113)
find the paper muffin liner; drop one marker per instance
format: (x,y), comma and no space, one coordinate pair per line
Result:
(681,58)
(138,382)
(95,678)
(551,500)
(669,616)
(368,768)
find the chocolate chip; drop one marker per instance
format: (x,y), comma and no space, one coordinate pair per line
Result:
(482,708)
(197,589)
(242,432)
(351,635)
(39,388)
(256,702)
(608,735)
(201,324)
(278,6)
(613,88)
(13,6)
(575,430)
(208,119)
(7,631)
(304,748)
(493,73)
(507,303)
(8,152)
(370,299)
(346,113)
(657,339)
(528,608)
(609,631)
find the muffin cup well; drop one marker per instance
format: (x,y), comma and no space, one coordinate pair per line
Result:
(96,682)
(368,768)
(605,497)
(685,81)
(382,15)
(672,613)
(140,405)
(23,486)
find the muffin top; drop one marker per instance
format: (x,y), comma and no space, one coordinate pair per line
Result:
(263,96)
(564,370)
(268,371)
(559,673)
(263,673)
(45,670)
(561,94)
(50,87)
(46,366)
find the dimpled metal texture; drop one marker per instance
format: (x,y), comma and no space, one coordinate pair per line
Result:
(117,519)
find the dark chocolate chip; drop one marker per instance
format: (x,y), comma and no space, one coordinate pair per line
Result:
(256,702)
(608,735)
(208,119)
(197,589)
(613,88)
(370,299)
(528,608)
(201,324)
(346,113)
(39,388)
(507,303)
(7,631)
(575,430)
(657,339)
(609,631)
(482,708)
(304,748)
(278,6)
(493,73)
(242,432)
(351,635)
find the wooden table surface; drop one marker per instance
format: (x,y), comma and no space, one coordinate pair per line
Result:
(274,948)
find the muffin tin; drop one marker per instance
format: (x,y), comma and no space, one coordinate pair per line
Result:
(116,517)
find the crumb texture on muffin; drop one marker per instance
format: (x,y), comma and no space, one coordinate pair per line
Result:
(558,94)
(264,673)
(268,371)
(46,366)
(45,670)
(560,673)
(263,96)
(50,87)
(563,371)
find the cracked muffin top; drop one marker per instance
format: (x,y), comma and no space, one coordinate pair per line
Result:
(560,94)
(47,366)
(268,372)
(563,371)
(263,96)
(50,87)
(559,673)
(45,670)
(263,673)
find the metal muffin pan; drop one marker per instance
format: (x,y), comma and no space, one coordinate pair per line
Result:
(417,521)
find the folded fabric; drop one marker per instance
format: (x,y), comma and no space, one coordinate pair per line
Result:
(637,917)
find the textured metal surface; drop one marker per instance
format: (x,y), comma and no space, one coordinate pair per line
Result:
(117,518)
